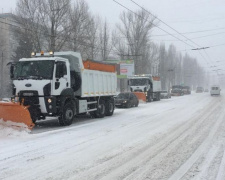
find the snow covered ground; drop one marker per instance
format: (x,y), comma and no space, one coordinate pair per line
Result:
(178,138)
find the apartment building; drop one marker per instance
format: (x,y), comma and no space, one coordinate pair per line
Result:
(7,46)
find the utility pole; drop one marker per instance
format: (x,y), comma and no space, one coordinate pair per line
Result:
(170,84)
(2,64)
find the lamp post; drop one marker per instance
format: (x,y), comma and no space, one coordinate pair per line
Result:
(2,64)
(170,71)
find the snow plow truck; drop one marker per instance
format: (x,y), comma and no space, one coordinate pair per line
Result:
(59,85)
(146,87)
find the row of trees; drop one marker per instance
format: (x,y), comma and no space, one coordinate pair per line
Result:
(60,25)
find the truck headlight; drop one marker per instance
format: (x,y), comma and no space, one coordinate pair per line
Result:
(49,100)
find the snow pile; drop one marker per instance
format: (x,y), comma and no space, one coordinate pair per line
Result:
(11,129)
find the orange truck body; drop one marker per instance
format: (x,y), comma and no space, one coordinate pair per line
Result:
(156,78)
(99,66)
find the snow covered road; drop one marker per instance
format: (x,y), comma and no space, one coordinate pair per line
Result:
(178,138)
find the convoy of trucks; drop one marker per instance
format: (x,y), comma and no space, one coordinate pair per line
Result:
(61,85)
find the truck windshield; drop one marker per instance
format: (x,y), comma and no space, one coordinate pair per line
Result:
(138,82)
(34,69)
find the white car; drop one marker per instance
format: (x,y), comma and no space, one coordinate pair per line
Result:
(165,94)
(215,90)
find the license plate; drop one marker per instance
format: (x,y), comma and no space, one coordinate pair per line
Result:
(28,94)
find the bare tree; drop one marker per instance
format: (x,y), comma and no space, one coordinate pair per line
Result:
(79,20)
(136,28)
(105,44)
(29,20)
(54,19)
(92,43)
(45,22)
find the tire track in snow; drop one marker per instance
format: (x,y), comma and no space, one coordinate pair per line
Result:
(162,165)
(187,165)
(45,168)
(158,147)
(221,173)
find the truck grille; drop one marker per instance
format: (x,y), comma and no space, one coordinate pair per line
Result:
(30,97)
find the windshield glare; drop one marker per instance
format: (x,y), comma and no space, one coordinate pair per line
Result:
(138,82)
(34,69)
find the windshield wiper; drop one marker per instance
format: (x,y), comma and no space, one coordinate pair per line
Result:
(21,77)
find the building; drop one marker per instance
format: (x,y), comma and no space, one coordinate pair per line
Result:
(7,46)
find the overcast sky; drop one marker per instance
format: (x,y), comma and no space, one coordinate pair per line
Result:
(182,15)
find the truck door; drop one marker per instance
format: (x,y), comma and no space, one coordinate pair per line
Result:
(61,79)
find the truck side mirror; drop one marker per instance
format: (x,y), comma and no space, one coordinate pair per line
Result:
(12,69)
(128,82)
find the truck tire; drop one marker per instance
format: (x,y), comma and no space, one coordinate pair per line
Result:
(128,105)
(136,105)
(67,116)
(159,97)
(109,107)
(101,110)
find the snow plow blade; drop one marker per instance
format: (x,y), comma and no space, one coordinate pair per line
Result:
(141,96)
(15,114)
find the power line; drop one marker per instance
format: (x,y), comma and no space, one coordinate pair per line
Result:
(164,23)
(192,32)
(153,24)
(205,48)
(194,37)
(170,28)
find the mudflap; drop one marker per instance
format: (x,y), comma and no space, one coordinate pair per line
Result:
(16,113)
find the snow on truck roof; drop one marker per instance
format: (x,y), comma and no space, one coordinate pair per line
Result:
(146,76)
(44,58)
(73,57)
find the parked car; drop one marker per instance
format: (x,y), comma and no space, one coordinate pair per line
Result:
(177,90)
(165,94)
(215,90)
(186,90)
(5,99)
(126,99)
(206,90)
(199,90)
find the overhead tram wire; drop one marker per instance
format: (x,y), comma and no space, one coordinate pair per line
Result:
(192,32)
(160,28)
(171,28)
(165,23)
(194,37)
(154,24)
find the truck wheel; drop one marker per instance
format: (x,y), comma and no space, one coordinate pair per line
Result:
(100,112)
(109,107)
(67,116)
(128,105)
(136,105)
(159,97)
